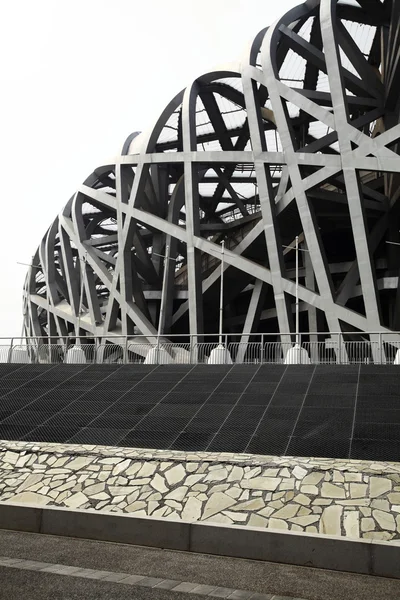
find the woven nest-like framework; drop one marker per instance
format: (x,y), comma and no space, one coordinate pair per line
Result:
(300,138)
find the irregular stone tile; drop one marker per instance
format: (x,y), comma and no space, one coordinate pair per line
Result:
(30,481)
(394,498)
(236,474)
(134,496)
(22,460)
(148,469)
(277,523)
(97,488)
(337,477)
(192,510)
(366,511)
(156,496)
(120,467)
(135,506)
(192,480)
(76,500)
(287,485)
(61,497)
(330,490)
(79,463)
(192,467)
(219,518)
(381,504)
(117,499)
(217,475)
(261,483)
(199,487)
(250,505)
(356,477)
(299,472)
(384,519)
(177,494)
(11,457)
(378,535)
(303,511)
(284,472)
(305,520)
(160,512)
(353,502)
(330,522)
(30,498)
(132,470)
(311,529)
(288,511)
(368,524)
(101,496)
(358,490)
(266,512)
(236,516)
(257,521)
(309,489)
(302,499)
(217,503)
(121,490)
(158,483)
(173,504)
(270,472)
(252,473)
(351,523)
(175,475)
(313,478)
(379,486)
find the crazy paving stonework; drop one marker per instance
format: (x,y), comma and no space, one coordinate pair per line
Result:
(326,496)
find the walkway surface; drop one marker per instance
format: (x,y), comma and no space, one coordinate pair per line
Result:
(41,567)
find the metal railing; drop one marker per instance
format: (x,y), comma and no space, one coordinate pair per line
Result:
(316,348)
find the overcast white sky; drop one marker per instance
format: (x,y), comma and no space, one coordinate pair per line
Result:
(77,78)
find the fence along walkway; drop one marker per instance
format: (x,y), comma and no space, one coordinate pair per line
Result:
(334,350)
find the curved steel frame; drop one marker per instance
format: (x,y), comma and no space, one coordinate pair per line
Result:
(301,139)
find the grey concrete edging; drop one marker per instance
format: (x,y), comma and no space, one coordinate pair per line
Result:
(304,549)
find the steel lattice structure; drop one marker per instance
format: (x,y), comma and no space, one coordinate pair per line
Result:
(301,138)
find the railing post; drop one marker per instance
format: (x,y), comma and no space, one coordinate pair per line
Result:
(226,348)
(158,350)
(126,351)
(339,353)
(262,349)
(382,352)
(10,351)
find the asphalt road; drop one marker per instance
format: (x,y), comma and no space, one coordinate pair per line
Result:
(257,576)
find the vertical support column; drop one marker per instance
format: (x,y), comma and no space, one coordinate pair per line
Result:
(192,211)
(268,209)
(351,177)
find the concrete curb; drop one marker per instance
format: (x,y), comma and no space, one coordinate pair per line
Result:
(366,557)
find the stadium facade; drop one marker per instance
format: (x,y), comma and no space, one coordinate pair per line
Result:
(298,139)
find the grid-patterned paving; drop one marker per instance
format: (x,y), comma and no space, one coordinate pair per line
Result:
(327,411)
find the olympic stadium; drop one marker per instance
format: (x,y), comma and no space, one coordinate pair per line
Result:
(253,228)
(298,140)
(211,345)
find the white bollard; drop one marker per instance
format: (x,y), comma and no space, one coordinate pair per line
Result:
(297,356)
(220,356)
(75,355)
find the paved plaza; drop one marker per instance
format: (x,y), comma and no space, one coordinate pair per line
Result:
(70,569)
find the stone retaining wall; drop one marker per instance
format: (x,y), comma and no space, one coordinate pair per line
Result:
(326,496)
